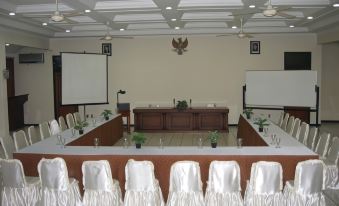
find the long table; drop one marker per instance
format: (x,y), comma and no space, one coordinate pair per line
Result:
(290,153)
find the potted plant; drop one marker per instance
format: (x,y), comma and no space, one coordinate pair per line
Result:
(261,123)
(80,126)
(248,113)
(138,138)
(214,136)
(181,105)
(106,113)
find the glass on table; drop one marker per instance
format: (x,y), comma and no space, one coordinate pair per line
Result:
(273,138)
(278,142)
(63,142)
(266,131)
(59,139)
(96,142)
(200,142)
(73,132)
(94,121)
(161,143)
(125,143)
(239,143)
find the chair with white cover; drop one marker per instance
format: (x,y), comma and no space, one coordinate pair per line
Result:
(33,136)
(100,188)
(281,118)
(70,120)
(265,185)
(306,189)
(185,185)
(322,146)
(57,188)
(54,127)
(284,123)
(77,117)
(62,123)
(18,190)
(290,125)
(45,132)
(8,147)
(142,188)
(331,162)
(296,128)
(223,186)
(303,132)
(311,139)
(20,140)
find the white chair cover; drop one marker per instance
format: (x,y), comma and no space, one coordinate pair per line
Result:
(281,118)
(8,147)
(303,133)
(306,189)
(311,140)
(17,190)
(296,128)
(33,136)
(322,146)
(284,123)
(54,127)
(290,125)
(20,140)
(100,188)
(141,187)
(44,130)
(331,164)
(62,123)
(70,120)
(265,185)
(77,117)
(185,185)
(57,188)
(223,186)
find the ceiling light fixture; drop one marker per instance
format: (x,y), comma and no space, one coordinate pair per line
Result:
(122,29)
(7,44)
(44,24)
(234,27)
(310,17)
(173,19)
(12,14)
(67,30)
(177,27)
(251,6)
(291,26)
(168,8)
(87,11)
(336,5)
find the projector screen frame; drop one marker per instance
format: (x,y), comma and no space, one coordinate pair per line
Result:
(84,104)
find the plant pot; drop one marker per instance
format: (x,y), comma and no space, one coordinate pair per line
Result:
(81,131)
(138,145)
(214,145)
(261,129)
(248,116)
(106,118)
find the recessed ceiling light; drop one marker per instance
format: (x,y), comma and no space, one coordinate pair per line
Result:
(12,14)
(234,27)
(44,24)
(122,29)
(176,27)
(336,5)
(291,26)
(310,17)
(173,19)
(251,6)
(87,11)
(7,44)
(67,30)
(168,8)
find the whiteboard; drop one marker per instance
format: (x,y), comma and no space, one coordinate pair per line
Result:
(84,79)
(281,88)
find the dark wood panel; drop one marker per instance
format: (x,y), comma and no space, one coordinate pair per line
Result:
(149,121)
(248,134)
(211,121)
(16,111)
(179,121)
(302,113)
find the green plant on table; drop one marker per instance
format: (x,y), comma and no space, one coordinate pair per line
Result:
(80,125)
(248,113)
(138,138)
(181,105)
(213,136)
(261,122)
(106,113)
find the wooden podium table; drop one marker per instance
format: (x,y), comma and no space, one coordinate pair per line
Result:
(170,119)
(16,111)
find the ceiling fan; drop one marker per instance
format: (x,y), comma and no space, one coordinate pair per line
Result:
(109,37)
(241,34)
(270,11)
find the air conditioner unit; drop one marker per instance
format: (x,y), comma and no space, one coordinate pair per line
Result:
(32,58)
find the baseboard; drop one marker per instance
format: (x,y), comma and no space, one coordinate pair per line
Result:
(28,125)
(233,125)
(330,121)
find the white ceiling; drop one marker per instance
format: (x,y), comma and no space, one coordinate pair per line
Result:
(150,17)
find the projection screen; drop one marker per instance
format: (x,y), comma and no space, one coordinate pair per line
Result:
(84,79)
(281,88)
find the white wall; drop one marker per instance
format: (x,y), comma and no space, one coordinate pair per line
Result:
(211,71)
(330,74)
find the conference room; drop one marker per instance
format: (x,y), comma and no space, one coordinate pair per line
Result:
(155,94)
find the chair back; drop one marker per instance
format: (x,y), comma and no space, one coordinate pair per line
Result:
(140,176)
(296,128)
(44,130)
(333,152)
(290,125)
(54,127)
(12,173)
(77,117)
(311,140)
(53,174)
(309,177)
(266,177)
(322,146)
(62,123)
(303,133)
(284,123)
(33,136)
(185,176)
(70,120)
(281,118)
(8,147)
(20,140)
(96,175)
(224,177)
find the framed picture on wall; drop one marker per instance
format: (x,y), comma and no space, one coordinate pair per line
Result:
(254,47)
(107,49)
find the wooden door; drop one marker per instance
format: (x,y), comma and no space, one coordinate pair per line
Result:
(10,80)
